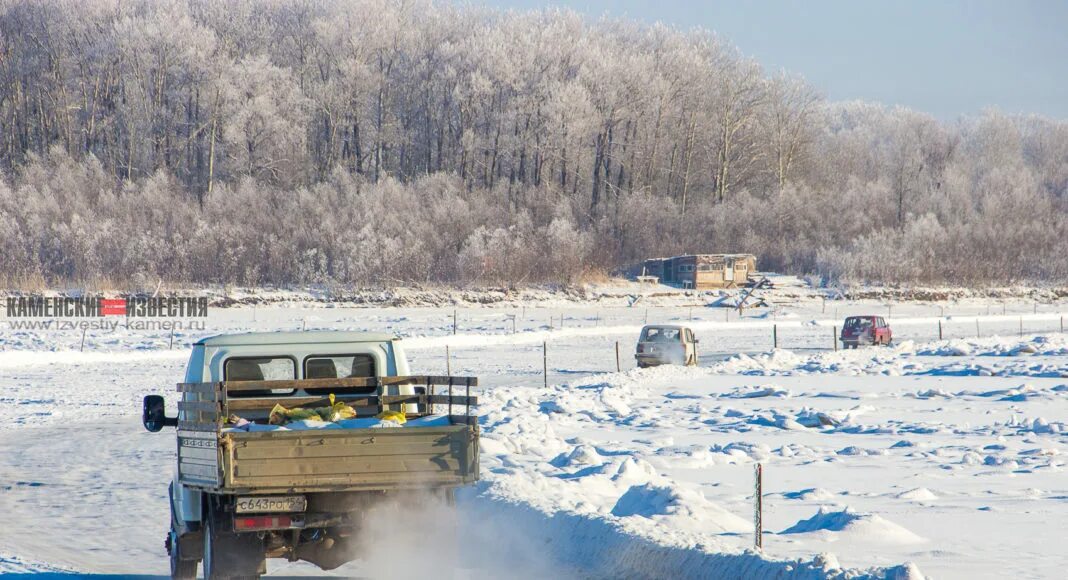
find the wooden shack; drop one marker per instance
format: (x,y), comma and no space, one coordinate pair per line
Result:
(702,271)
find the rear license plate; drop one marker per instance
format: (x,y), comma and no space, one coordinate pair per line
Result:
(271,503)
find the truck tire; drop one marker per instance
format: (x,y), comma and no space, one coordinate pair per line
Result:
(180,569)
(227,554)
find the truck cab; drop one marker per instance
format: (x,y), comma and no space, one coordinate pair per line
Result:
(242,496)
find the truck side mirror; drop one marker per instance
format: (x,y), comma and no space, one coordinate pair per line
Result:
(153,415)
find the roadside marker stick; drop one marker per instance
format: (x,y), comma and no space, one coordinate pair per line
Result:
(647,316)
(448,361)
(82,347)
(977,335)
(758,513)
(454,321)
(545,363)
(1021,326)
(834,337)
(171,347)
(775,335)
(939,330)
(618,367)
(513,324)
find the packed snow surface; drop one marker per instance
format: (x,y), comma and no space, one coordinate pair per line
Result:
(937,457)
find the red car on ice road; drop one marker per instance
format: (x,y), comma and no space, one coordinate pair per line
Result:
(859,330)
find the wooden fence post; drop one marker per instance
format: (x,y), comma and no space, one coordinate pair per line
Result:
(448,361)
(545,363)
(758,511)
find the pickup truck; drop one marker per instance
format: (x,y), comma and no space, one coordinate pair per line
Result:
(246,490)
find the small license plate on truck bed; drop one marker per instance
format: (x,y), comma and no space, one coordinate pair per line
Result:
(271,503)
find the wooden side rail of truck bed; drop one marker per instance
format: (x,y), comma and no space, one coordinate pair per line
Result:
(444,453)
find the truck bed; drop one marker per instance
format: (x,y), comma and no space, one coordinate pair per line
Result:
(324,460)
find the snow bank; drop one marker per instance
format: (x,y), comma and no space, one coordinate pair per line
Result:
(856,526)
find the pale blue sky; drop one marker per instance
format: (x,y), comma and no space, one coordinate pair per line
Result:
(946,57)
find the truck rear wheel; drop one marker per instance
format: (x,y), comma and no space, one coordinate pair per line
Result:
(228,554)
(180,569)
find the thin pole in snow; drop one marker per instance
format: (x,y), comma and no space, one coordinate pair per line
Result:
(304,324)
(758,512)
(834,337)
(82,347)
(171,347)
(977,335)
(545,363)
(1021,326)
(775,335)
(448,361)
(618,366)
(454,321)
(939,330)
(647,316)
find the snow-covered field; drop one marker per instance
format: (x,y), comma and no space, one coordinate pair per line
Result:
(948,455)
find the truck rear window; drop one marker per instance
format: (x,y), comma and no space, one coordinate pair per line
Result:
(340,366)
(281,368)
